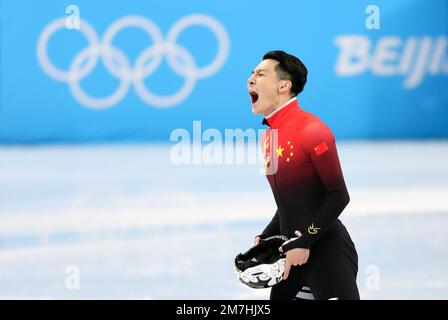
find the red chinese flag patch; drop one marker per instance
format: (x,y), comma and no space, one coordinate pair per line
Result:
(320,148)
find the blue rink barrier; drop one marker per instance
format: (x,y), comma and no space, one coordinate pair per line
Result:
(137,70)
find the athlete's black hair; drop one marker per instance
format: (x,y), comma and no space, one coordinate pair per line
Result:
(289,68)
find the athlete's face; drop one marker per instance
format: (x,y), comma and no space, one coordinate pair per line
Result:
(264,87)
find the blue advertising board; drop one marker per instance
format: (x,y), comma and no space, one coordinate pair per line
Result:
(90,71)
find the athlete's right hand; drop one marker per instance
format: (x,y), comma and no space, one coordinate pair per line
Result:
(257,241)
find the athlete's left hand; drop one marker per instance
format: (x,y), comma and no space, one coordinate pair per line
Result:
(295,257)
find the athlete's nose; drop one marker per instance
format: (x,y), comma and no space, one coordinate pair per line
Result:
(251,80)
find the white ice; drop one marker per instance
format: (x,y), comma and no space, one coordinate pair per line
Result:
(136,226)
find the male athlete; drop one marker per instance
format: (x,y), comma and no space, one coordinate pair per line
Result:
(306,179)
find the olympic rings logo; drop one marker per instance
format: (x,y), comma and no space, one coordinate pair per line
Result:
(118,65)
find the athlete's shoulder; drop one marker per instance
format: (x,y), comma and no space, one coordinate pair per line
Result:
(313,127)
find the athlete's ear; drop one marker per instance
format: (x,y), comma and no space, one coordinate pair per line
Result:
(284,86)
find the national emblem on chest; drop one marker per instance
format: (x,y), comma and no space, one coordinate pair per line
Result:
(280,154)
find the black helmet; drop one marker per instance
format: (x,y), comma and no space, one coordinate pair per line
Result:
(262,266)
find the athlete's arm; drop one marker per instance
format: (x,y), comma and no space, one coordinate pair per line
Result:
(321,149)
(273,228)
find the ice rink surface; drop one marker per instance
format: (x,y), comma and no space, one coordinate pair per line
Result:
(129,224)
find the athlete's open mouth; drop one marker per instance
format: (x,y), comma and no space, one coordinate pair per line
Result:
(253,96)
